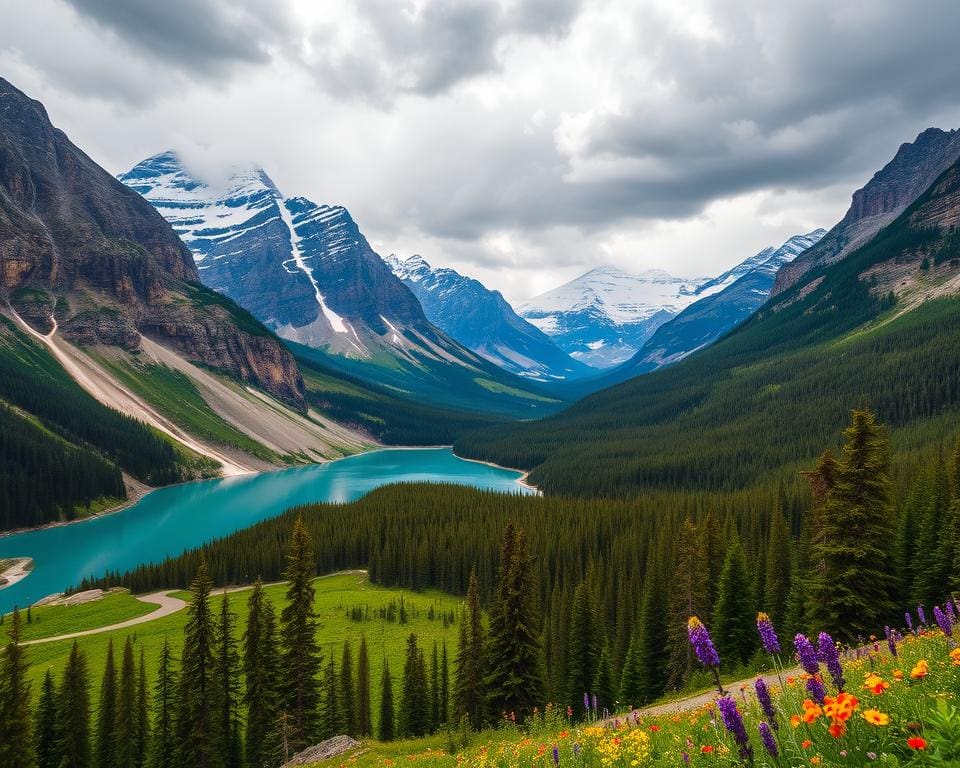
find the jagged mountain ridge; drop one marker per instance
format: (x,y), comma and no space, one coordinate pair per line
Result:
(604,316)
(80,250)
(888,193)
(483,321)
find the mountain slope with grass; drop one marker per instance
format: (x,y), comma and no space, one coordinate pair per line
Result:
(881,329)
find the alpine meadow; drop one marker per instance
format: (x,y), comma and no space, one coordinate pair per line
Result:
(479,384)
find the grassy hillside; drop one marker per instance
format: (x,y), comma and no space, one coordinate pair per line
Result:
(880,329)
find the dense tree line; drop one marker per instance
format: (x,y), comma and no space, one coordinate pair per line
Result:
(612,582)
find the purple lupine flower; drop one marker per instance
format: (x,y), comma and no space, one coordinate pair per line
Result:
(943,621)
(815,689)
(733,722)
(556,755)
(686,758)
(766,704)
(768,636)
(586,701)
(829,655)
(891,640)
(950,613)
(922,615)
(594,702)
(702,644)
(806,654)
(576,749)
(909,618)
(769,743)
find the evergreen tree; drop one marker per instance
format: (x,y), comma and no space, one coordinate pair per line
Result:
(125,745)
(644,673)
(107,715)
(444,686)
(331,712)
(386,730)
(300,660)
(347,691)
(73,713)
(778,570)
(469,680)
(583,653)
(852,594)
(228,686)
(261,664)
(198,724)
(435,687)
(45,730)
(163,739)
(414,701)
(515,683)
(689,596)
(364,723)
(16,744)
(142,719)
(734,630)
(603,687)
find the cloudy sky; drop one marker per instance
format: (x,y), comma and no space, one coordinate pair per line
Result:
(520,141)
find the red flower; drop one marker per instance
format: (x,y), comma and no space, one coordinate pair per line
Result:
(706,749)
(916,742)
(654,728)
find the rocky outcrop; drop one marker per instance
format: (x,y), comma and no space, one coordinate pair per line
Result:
(113,266)
(338,745)
(891,190)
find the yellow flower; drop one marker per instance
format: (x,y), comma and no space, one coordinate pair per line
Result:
(955,656)
(920,670)
(875,717)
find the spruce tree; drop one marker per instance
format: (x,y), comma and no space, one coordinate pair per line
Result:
(73,713)
(107,715)
(852,593)
(46,730)
(515,683)
(689,596)
(228,686)
(645,673)
(198,725)
(385,728)
(347,691)
(583,653)
(734,631)
(125,746)
(16,743)
(603,687)
(142,719)
(778,571)
(364,723)
(261,664)
(300,659)
(444,686)
(468,693)
(331,711)
(414,701)
(163,738)
(435,687)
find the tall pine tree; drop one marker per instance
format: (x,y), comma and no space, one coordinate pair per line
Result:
(125,748)
(734,632)
(468,691)
(386,730)
(107,715)
(261,666)
(364,721)
(228,685)
(73,713)
(46,729)
(163,738)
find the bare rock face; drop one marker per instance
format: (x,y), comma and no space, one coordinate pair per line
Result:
(110,264)
(891,190)
(338,745)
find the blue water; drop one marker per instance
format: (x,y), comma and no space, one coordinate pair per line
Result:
(170,520)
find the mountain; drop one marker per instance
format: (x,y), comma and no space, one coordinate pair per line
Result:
(483,321)
(308,273)
(894,187)
(81,252)
(726,302)
(878,329)
(604,316)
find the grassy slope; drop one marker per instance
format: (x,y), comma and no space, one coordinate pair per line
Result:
(52,620)
(336,594)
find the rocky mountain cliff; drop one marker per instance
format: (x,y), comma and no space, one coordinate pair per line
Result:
(484,321)
(912,170)
(77,245)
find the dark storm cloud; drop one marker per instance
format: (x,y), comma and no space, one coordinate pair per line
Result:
(205,37)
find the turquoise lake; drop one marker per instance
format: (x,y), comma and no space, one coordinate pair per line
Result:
(170,520)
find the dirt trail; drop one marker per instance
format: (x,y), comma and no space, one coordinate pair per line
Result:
(114,395)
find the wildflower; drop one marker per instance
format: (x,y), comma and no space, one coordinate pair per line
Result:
(950,614)
(814,761)
(766,704)
(586,701)
(806,655)
(594,702)
(922,615)
(576,749)
(840,708)
(654,728)
(871,755)
(556,755)
(811,711)
(875,684)
(837,729)
(795,720)
(920,670)
(909,619)
(891,640)
(917,742)
(702,644)
(943,621)
(806,743)
(898,674)
(955,656)
(815,689)
(569,711)
(875,717)
(769,743)
(706,749)
(829,655)
(733,722)
(768,636)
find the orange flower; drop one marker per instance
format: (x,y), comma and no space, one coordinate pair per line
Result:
(955,656)
(814,761)
(806,743)
(875,684)
(920,670)
(654,728)
(706,749)
(563,734)
(795,720)
(875,717)
(811,715)
(898,674)
(837,729)
(916,742)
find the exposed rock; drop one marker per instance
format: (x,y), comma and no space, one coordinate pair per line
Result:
(70,230)
(338,745)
